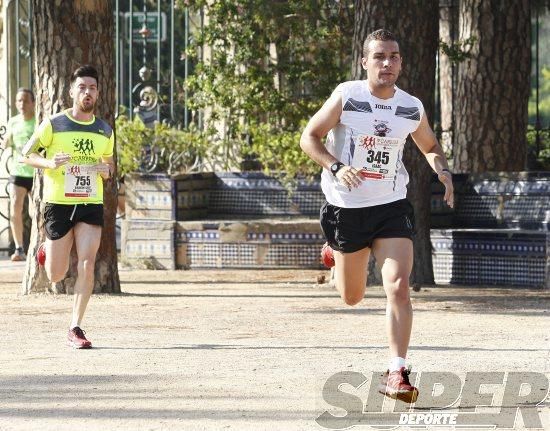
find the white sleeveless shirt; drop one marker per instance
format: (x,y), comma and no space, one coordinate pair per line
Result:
(371,137)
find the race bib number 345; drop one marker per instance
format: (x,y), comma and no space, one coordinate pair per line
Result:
(80,182)
(376,157)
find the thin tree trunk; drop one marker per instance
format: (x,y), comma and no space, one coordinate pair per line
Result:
(493,85)
(415,24)
(67,34)
(448,22)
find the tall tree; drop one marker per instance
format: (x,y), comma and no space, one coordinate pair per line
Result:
(415,24)
(66,34)
(448,21)
(493,85)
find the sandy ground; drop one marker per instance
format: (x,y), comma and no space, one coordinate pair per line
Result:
(239,350)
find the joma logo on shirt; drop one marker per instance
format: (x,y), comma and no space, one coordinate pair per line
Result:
(377,106)
(84,146)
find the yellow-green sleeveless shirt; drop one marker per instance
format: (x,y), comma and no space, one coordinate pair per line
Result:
(86,143)
(20,130)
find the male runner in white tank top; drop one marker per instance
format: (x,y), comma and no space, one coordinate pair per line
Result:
(365,185)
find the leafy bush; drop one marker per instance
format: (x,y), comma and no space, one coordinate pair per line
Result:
(280,154)
(159,149)
(542,158)
(544,99)
(261,69)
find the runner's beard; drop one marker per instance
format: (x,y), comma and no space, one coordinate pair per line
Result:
(87,108)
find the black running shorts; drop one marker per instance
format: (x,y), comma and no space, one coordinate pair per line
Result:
(22,181)
(351,229)
(60,219)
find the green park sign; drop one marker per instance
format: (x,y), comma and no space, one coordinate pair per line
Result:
(138,18)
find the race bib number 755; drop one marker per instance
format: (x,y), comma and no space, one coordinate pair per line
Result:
(376,157)
(80,181)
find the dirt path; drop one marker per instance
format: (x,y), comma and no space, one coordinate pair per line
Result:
(239,350)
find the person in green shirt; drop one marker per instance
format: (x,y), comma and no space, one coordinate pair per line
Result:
(20,129)
(78,158)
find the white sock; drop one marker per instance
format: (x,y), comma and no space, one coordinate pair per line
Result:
(74,324)
(396,364)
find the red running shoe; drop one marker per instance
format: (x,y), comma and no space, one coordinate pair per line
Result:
(41,254)
(327,255)
(396,385)
(77,339)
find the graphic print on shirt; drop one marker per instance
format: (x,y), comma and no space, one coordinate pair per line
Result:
(84,146)
(412,113)
(356,105)
(348,155)
(381,128)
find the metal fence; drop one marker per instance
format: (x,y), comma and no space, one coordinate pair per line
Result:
(5,233)
(146,67)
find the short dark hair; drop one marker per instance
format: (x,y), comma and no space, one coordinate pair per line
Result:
(85,70)
(25,90)
(380,34)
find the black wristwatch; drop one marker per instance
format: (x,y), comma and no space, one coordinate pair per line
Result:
(335,167)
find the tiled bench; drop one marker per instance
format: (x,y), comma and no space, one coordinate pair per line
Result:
(491,257)
(496,200)
(488,213)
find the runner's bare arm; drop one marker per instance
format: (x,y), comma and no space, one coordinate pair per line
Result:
(426,142)
(318,127)
(37,161)
(32,146)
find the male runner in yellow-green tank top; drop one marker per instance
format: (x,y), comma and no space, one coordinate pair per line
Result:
(78,157)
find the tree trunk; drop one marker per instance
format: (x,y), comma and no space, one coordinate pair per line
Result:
(67,34)
(448,23)
(493,85)
(415,25)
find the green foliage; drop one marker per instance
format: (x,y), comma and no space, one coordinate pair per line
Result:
(540,152)
(458,51)
(269,66)
(162,148)
(544,99)
(279,152)
(131,137)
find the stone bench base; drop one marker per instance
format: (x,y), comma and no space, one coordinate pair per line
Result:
(503,257)
(239,238)
(254,243)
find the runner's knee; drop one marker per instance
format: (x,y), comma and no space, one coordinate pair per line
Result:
(352,296)
(56,274)
(352,299)
(397,290)
(86,267)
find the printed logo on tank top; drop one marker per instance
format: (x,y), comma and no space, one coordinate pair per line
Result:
(84,146)
(381,128)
